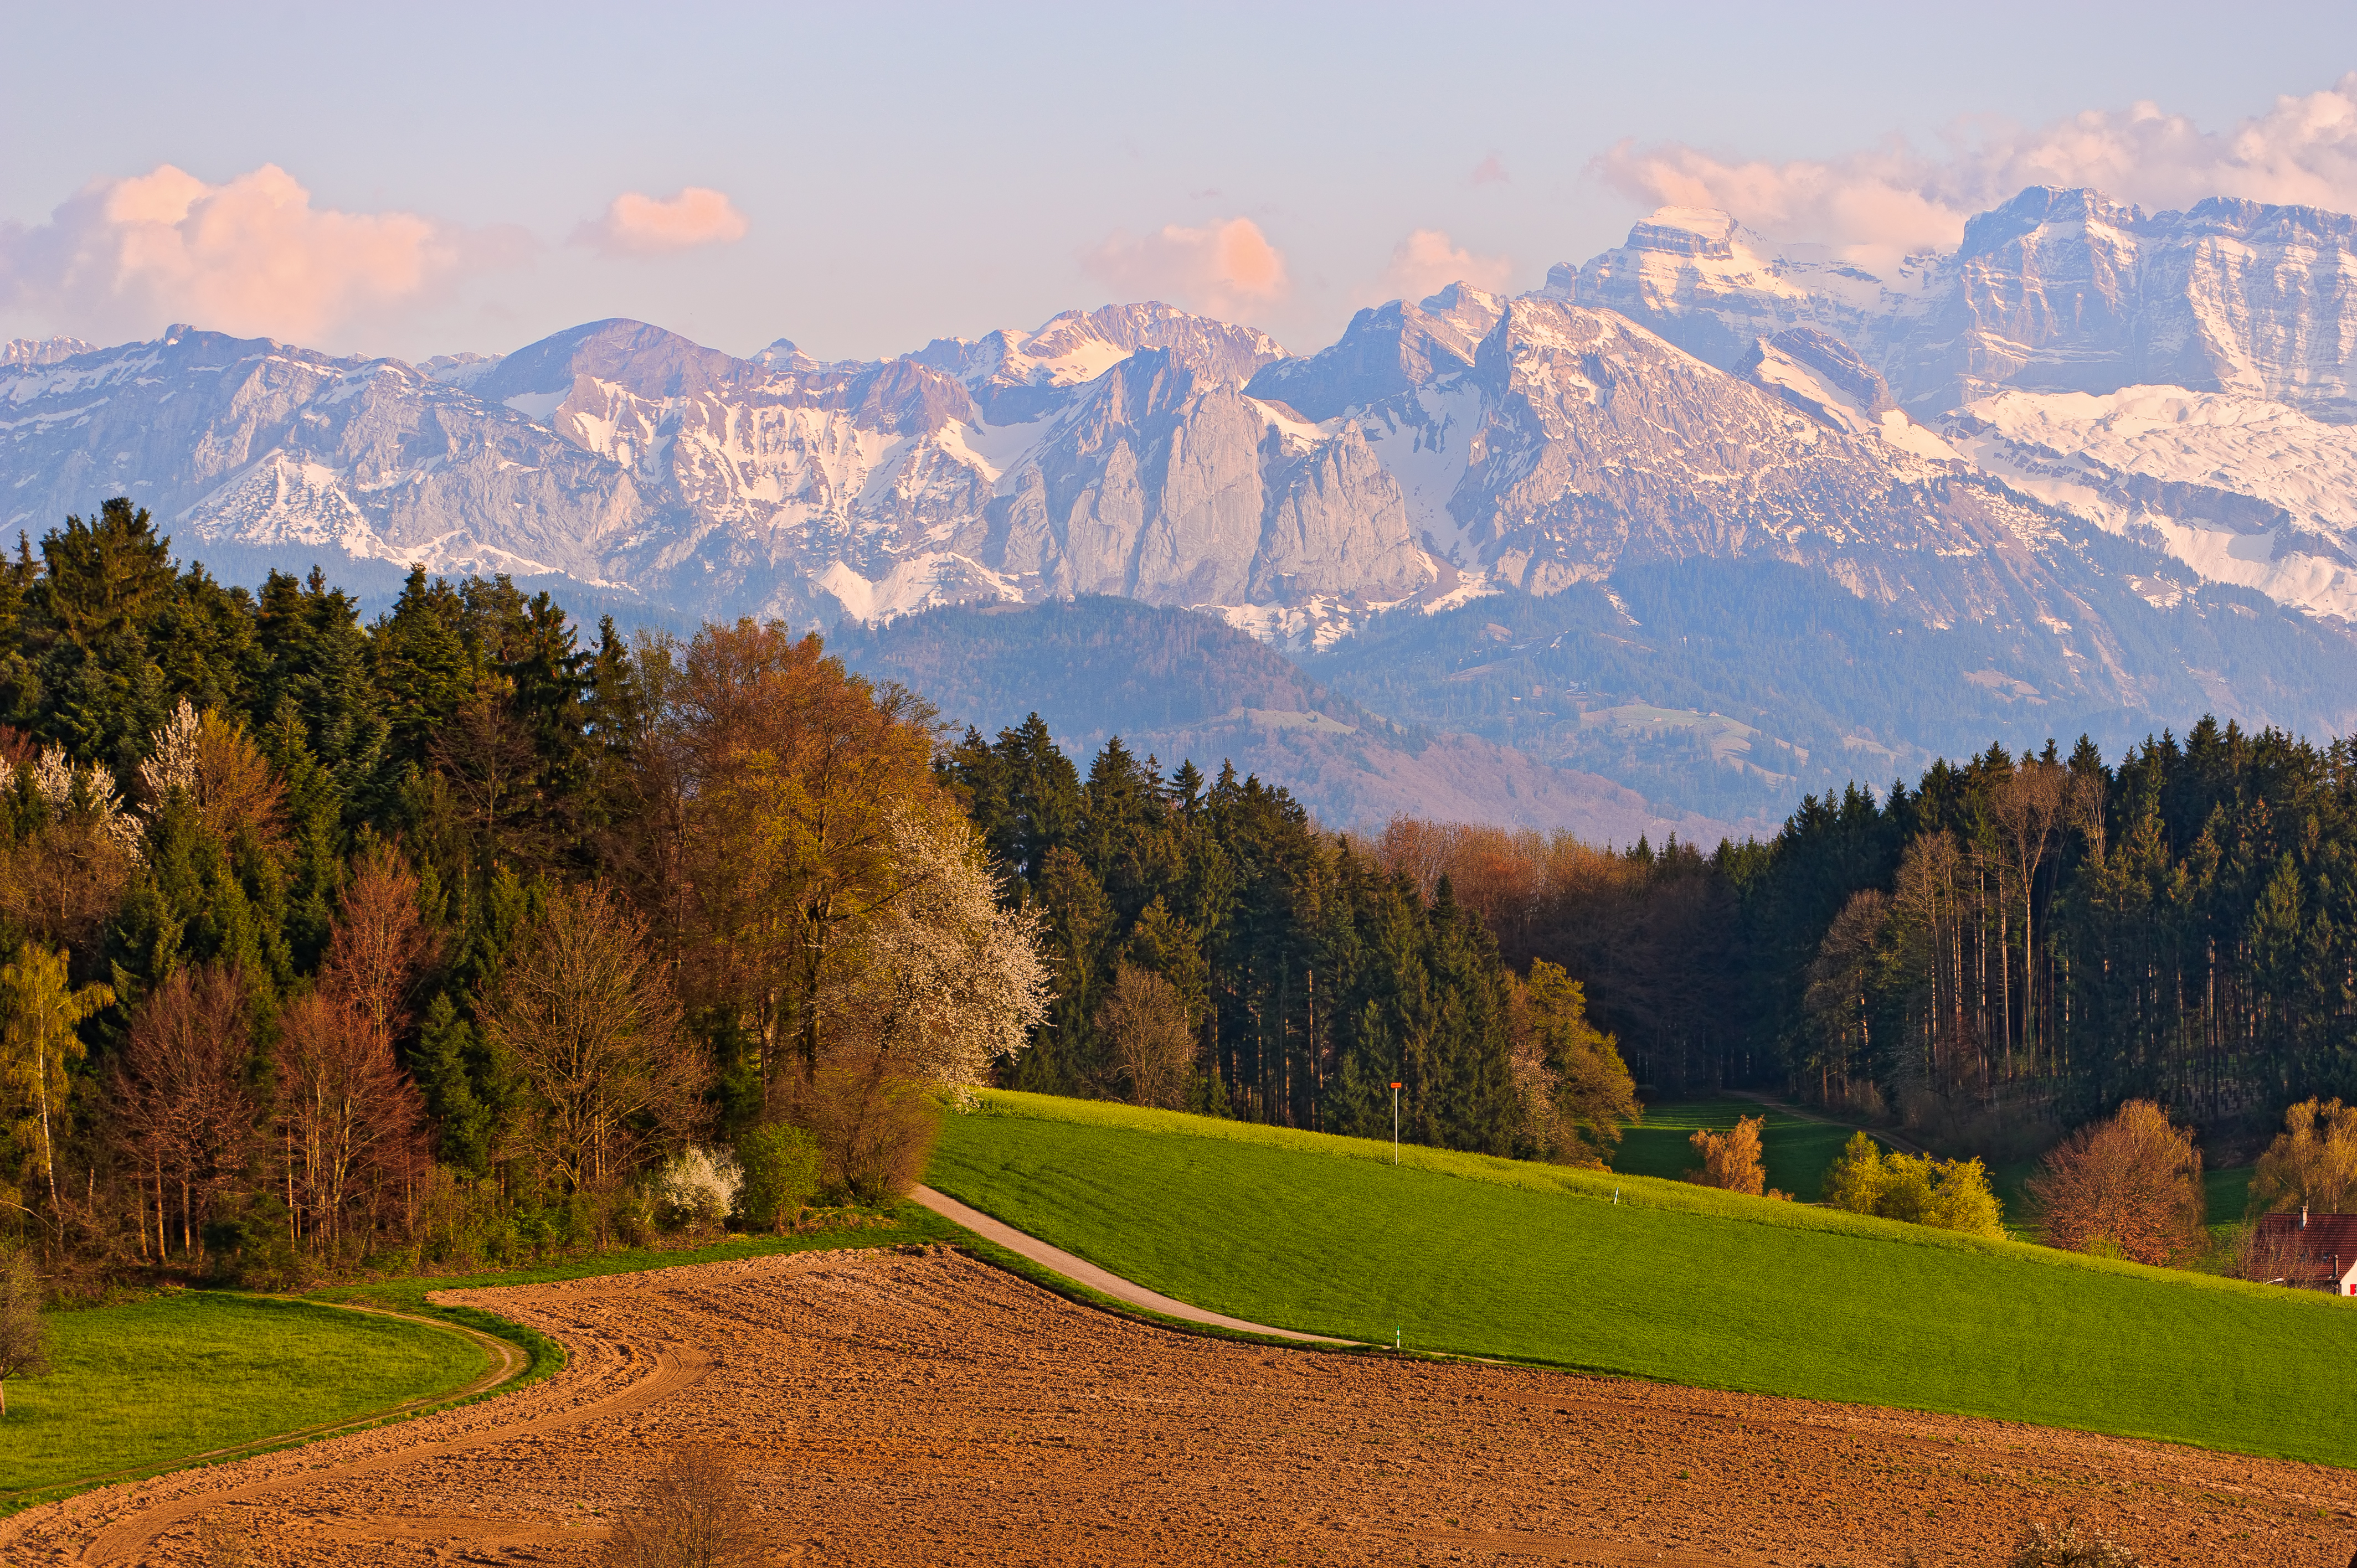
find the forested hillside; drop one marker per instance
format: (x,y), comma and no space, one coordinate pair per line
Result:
(1179,683)
(442,938)
(2014,945)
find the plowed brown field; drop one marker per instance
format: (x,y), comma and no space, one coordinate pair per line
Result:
(899,1408)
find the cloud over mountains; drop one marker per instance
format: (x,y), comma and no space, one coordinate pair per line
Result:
(1223,268)
(252,255)
(635,224)
(1883,201)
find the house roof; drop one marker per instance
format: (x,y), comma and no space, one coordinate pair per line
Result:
(2326,1243)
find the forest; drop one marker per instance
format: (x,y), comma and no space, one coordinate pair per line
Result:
(455,937)
(2011,947)
(446,939)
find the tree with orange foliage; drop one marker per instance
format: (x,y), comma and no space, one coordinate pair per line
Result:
(1731,1160)
(782,780)
(2129,1185)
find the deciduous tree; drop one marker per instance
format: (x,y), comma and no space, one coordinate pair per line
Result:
(185,1100)
(1731,1159)
(1577,1090)
(1143,1021)
(585,1007)
(2131,1182)
(24,1336)
(40,1011)
(2312,1163)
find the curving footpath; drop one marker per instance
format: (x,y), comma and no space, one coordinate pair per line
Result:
(1078,1269)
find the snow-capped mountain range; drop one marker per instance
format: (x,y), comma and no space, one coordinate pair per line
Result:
(2074,420)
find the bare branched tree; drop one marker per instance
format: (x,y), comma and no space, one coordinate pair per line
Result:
(1143,1020)
(380,945)
(350,1121)
(184,1097)
(587,1007)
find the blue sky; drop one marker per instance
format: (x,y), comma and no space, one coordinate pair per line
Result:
(886,174)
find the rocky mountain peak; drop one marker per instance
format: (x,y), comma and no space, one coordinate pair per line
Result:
(30,352)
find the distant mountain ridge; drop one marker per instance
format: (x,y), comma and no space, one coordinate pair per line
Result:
(1973,446)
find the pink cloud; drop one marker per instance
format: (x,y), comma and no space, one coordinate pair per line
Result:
(1490,170)
(1882,202)
(1428,261)
(639,225)
(1221,269)
(252,257)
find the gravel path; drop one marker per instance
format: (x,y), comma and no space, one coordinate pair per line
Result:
(889,1408)
(1074,1267)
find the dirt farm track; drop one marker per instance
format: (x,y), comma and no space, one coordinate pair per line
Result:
(920,1409)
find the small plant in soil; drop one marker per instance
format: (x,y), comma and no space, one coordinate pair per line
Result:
(2069,1546)
(692,1513)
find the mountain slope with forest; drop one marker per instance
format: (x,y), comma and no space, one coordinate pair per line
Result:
(1181,686)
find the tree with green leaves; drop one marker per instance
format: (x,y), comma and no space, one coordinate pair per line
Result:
(41,1012)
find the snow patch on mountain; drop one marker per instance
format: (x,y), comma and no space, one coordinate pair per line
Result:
(2243,490)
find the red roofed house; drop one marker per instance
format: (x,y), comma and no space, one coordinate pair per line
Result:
(2312,1251)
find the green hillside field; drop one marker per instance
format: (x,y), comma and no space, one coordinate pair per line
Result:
(1467,1253)
(143,1384)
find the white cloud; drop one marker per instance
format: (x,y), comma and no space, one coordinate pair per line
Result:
(1882,202)
(1221,269)
(1426,261)
(639,225)
(1490,170)
(252,257)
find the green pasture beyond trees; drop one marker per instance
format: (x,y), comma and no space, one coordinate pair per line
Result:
(1795,1150)
(149,1384)
(1468,1253)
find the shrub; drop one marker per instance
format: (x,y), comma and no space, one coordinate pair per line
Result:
(692,1513)
(2132,1183)
(697,1186)
(781,1174)
(24,1337)
(1947,1195)
(1731,1159)
(874,1129)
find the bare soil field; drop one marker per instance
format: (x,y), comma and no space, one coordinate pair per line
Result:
(920,1409)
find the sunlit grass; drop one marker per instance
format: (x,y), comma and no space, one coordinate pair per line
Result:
(1465,1253)
(141,1385)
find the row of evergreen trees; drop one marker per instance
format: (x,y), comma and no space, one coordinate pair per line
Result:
(1310,977)
(2018,943)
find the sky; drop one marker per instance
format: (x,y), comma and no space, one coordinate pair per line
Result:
(429,179)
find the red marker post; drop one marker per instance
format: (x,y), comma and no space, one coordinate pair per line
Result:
(1395,1089)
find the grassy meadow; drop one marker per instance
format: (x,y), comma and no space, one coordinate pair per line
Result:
(188,1371)
(1463,1253)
